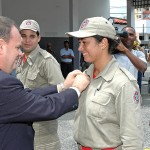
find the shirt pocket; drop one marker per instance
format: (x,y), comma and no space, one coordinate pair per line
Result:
(32,79)
(101,107)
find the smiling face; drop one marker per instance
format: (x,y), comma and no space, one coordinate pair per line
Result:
(128,42)
(93,50)
(30,40)
(10,51)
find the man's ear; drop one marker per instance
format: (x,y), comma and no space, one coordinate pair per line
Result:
(2,42)
(39,38)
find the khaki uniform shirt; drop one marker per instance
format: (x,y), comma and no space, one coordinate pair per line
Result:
(109,112)
(42,69)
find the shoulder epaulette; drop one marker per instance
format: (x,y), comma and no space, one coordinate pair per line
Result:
(128,74)
(45,54)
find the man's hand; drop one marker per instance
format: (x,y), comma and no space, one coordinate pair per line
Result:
(70,78)
(121,47)
(81,82)
(118,46)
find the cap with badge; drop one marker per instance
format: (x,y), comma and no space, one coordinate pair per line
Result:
(30,24)
(95,26)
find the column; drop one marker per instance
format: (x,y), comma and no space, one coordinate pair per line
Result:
(130,14)
(74,25)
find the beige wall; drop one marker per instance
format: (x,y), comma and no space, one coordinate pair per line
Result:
(52,15)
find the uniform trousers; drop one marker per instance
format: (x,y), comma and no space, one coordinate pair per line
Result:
(66,68)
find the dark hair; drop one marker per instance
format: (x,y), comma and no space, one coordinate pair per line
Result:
(66,42)
(112,43)
(37,33)
(6,25)
(128,27)
(98,38)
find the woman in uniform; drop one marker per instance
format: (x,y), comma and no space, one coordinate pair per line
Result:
(109,114)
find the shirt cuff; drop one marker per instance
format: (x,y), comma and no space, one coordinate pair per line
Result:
(77,90)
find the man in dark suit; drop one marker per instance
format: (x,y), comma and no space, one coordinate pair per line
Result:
(20,107)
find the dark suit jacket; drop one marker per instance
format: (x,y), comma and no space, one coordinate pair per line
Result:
(20,107)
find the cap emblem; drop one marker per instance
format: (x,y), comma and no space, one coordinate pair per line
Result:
(84,23)
(28,23)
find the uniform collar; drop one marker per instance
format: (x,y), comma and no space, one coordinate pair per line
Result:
(31,58)
(107,73)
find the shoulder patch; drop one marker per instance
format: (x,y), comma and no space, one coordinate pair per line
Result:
(128,74)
